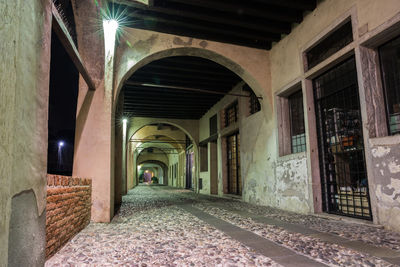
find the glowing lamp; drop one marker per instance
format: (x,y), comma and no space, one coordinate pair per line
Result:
(110,27)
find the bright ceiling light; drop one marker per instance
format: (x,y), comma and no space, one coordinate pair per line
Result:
(110,26)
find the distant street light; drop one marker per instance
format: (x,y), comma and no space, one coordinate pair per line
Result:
(59,159)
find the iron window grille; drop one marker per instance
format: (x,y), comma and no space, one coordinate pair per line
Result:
(344,178)
(255,105)
(231,114)
(297,128)
(390,65)
(330,45)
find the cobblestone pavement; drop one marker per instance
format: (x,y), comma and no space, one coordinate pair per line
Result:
(151,229)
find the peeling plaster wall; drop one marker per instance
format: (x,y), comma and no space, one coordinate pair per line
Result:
(386,162)
(281,182)
(24,52)
(287,67)
(292,183)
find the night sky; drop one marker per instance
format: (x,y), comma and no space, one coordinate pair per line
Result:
(64,82)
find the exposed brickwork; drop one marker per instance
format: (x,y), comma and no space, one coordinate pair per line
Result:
(67,210)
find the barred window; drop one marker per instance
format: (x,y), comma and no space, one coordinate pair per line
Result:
(297,129)
(255,105)
(390,66)
(231,114)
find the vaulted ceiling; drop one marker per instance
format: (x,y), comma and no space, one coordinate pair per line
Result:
(176,87)
(179,87)
(253,23)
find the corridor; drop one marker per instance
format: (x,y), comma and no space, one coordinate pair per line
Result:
(163,226)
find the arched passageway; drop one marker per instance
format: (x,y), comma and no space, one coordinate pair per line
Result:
(179,92)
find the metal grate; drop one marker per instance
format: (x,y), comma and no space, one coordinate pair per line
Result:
(231,114)
(390,62)
(297,129)
(330,45)
(340,142)
(255,105)
(234,176)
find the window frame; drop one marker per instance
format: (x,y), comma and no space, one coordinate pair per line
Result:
(284,120)
(385,87)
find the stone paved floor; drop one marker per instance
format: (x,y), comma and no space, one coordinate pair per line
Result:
(152,229)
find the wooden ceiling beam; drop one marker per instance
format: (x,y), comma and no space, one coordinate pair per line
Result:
(186,70)
(270,32)
(244,8)
(140,81)
(187,32)
(297,4)
(150,103)
(182,76)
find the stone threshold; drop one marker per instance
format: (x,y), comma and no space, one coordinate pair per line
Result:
(386,254)
(277,253)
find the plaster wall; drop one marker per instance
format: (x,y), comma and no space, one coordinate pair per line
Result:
(286,59)
(386,166)
(94,134)
(25,52)
(369,18)
(268,179)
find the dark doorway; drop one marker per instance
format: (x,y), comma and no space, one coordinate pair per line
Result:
(189,168)
(340,141)
(234,177)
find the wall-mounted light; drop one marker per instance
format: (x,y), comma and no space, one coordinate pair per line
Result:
(124,121)
(110,27)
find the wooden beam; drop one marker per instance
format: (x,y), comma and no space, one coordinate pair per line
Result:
(159,27)
(187,89)
(239,31)
(297,4)
(271,13)
(170,82)
(193,76)
(61,30)
(183,69)
(151,103)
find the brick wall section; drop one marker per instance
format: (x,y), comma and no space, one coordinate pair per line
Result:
(67,209)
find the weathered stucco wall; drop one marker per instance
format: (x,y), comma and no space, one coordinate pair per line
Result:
(292,183)
(287,67)
(268,179)
(94,134)
(386,163)
(25,52)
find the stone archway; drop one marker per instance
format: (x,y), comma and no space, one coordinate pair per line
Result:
(188,127)
(252,65)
